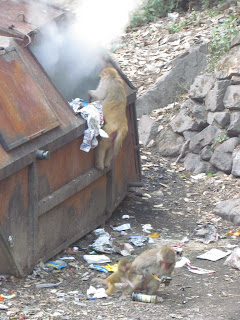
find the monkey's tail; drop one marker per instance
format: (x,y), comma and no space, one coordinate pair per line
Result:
(121,134)
(99,280)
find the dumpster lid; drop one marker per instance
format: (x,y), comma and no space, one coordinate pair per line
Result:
(25,111)
(24,15)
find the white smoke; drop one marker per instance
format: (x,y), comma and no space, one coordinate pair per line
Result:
(72,53)
(99,22)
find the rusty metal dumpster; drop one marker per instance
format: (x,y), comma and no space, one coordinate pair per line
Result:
(50,193)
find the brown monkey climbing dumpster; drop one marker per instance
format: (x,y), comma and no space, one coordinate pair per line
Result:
(50,192)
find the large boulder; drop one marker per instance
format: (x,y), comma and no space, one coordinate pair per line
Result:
(234,127)
(236,162)
(195,164)
(229,65)
(204,138)
(192,117)
(220,119)
(222,155)
(232,97)
(147,129)
(201,86)
(168,143)
(214,97)
(174,83)
(229,210)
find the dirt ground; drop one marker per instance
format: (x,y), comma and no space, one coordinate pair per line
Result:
(174,204)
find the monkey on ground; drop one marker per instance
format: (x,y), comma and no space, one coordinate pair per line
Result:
(148,268)
(111,91)
(121,275)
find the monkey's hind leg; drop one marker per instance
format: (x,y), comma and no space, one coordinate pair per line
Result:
(108,157)
(152,286)
(101,153)
(111,289)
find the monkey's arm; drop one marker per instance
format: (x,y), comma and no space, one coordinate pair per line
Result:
(100,93)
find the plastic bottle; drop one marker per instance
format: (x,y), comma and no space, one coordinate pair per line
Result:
(144,297)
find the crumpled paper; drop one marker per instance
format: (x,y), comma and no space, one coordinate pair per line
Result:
(185,262)
(96,293)
(94,117)
(209,232)
(234,259)
(92,113)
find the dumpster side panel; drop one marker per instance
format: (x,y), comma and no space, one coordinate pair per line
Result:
(72,219)
(125,169)
(64,165)
(14,218)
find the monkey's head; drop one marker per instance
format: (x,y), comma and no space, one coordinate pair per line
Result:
(124,265)
(166,257)
(109,73)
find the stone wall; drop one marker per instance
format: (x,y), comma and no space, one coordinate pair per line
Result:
(209,121)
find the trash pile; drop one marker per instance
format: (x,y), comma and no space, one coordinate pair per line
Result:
(92,113)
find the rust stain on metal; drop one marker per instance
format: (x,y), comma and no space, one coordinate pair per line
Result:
(64,165)
(12,12)
(76,216)
(7,190)
(25,112)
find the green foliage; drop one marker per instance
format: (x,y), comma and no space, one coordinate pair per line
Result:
(211,175)
(150,10)
(218,141)
(174,27)
(221,38)
(206,4)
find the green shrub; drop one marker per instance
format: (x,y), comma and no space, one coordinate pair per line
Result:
(221,39)
(150,10)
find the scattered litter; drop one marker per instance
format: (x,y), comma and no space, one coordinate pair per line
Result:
(147,195)
(77,104)
(111,268)
(58,264)
(214,255)
(98,268)
(146,228)
(48,285)
(231,246)
(138,240)
(158,205)
(178,249)
(92,113)
(182,262)
(96,258)
(184,240)
(234,259)
(96,293)
(144,297)
(123,227)
(232,233)
(199,176)
(104,239)
(185,262)
(125,216)
(3,307)
(85,276)
(210,233)
(127,249)
(10,296)
(173,15)
(67,258)
(151,241)
(154,235)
